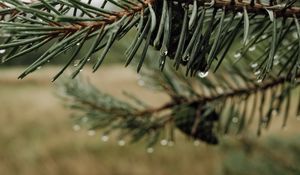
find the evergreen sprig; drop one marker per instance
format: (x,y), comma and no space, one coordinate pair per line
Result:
(204,108)
(251,46)
(200,41)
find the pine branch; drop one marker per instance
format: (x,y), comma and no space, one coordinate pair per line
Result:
(205,38)
(261,88)
(49,21)
(228,108)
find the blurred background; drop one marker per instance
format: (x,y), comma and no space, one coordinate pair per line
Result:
(37,135)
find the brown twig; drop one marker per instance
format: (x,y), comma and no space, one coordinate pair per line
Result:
(205,99)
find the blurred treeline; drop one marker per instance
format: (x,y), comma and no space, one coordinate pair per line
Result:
(271,156)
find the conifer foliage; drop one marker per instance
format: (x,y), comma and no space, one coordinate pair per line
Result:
(250,47)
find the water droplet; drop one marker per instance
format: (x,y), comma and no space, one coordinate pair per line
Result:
(257,72)
(150,150)
(141,82)
(76,127)
(251,49)
(295,35)
(2,51)
(203,74)
(121,142)
(196,143)
(89,59)
(276,62)
(237,55)
(254,65)
(48,61)
(259,80)
(235,120)
(290,47)
(164,142)
(264,36)
(80,70)
(239,14)
(104,138)
(274,112)
(186,58)
(276,57)
(76,62)
(84,119)
(164,52)
(38,68)
(91,132)
(77,44)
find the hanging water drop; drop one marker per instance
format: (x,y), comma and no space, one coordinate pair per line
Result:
(104,138)
(196,143)
(235,120)
(238,55)
(239,14)
(89,59)
(257,72)
(203,74)
(290,47)
(2,51)
(150,150)
(164,53)
(38,68)
(276,62)
(186,58)
(251,49)
(121,143)
(76,62)
(80,70)
(141,82)
(84,119)
(77,44)
(254,65)
(264,36)
(164,142)
(259,80)
(274,112)
(76,127)
(91,132)
(295,35)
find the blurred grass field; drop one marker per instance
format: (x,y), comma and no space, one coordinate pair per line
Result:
(36,135)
